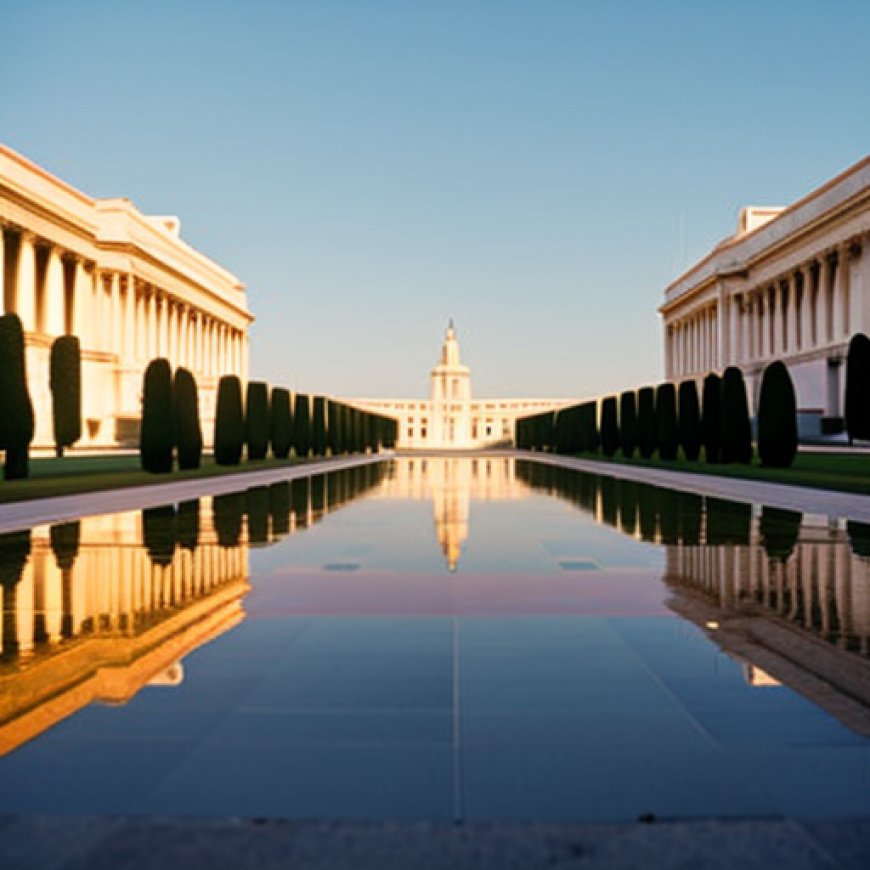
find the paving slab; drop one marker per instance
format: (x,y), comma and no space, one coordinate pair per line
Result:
(156,843)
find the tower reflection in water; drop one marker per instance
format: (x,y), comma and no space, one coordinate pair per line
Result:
(786,593)
(93,610)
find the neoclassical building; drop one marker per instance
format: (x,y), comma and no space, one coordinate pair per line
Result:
(791,284)
(451,419)
(126,284)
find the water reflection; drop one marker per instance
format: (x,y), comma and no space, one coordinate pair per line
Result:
(451,484)
(94,610)
(785,593)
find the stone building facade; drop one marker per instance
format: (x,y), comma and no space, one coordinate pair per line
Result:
(791,284)
(126,284)
(451,419)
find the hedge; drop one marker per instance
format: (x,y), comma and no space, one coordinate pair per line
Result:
(65,383)
(667,432)
(156,434)
(16,410)
(302,424)
(609,426)
(710,416)
(628,423)
(777,418)
(318,426)
(187,428)
(257,422)
(735,428)
(280,423)
(229,426)
(858,388)
(689,420)
(646,422)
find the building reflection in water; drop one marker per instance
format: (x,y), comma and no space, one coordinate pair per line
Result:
(452,483)
(786,593)
(93,610)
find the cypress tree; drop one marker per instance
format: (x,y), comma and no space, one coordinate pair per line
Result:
(777,417)
(279,508)
(64,540)
(187,428)
(646,422)
(780,530)
(858,388)
(257,422)
(187,524)
(65,382)
(280,423)
(609,427)
(158,534)
(710,416)
(628,423)
(14,554)
(257,509)
(302,424)
(689,420)
(16,410)
(592,424)
(318,426)
(735,428)
(728,522)
(227,512)
(229,426)
(667,432)
(156,435)
(332,436)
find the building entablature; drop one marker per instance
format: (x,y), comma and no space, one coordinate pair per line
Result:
(816,224)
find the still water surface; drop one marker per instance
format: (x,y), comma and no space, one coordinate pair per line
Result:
(442,638)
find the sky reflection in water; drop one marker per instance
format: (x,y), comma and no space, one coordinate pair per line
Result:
(441,638)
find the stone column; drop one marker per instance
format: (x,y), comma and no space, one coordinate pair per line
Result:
(25,289)
(54,317)
(81,304)
(116,320)
(128,347)
(822,325)
(841,295)
(172,332)
(793,314)
(776,316)
(809,321)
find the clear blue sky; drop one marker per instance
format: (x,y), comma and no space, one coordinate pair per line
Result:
(537,170)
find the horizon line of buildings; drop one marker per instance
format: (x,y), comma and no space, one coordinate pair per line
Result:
(791,284)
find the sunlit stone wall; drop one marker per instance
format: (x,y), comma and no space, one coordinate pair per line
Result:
(791,284)
(126,284)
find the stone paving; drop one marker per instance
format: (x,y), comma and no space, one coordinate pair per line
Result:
(144,842)
(155,843)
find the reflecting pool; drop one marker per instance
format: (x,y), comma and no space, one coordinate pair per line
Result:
(438,638)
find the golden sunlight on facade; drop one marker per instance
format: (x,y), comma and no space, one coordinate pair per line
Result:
(123,282)
(451,419)
(791,284)
(100,620)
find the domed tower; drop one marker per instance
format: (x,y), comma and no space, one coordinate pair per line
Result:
(451,396)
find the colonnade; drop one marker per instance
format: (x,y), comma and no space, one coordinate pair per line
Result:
(803,309)
(112,588)
(822,586)
(57,292)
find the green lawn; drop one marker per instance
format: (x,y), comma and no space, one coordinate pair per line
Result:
(50,476)
(845,472)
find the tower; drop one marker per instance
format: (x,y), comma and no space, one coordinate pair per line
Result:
(451,396)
